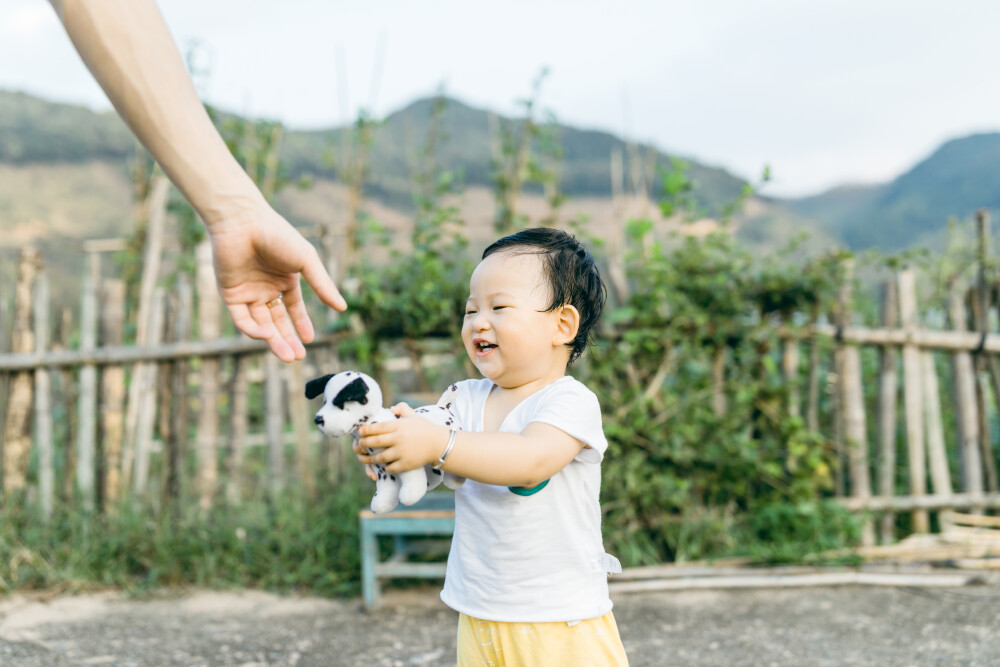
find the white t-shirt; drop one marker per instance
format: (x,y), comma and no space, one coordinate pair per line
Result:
(532,557)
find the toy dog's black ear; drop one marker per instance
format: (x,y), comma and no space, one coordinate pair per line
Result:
(356,390)
(315,387)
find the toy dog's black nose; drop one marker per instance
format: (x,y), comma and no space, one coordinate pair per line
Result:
(318,420)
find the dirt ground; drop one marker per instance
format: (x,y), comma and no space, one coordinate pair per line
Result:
(810,626)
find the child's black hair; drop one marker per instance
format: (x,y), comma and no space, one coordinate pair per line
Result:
(570,271)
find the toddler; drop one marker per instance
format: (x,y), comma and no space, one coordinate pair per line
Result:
(527,571)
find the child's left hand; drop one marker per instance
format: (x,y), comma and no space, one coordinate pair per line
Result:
(406,443)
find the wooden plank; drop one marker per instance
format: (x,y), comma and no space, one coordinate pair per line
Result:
(913,399)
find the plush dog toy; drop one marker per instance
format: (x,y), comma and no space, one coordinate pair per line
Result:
(351,399)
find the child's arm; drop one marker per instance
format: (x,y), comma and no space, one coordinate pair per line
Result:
(527,458)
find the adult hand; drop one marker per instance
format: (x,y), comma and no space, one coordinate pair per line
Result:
(259,259)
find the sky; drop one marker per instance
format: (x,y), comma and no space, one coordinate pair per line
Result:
(824,92)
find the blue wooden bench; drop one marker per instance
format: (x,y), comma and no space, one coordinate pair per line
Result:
(432,516)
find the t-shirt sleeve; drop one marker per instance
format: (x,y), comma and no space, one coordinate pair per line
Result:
(575,410)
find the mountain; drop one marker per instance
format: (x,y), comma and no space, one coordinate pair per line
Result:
(961,176)
(35,131)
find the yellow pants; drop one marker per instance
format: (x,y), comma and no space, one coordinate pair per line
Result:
(493,644)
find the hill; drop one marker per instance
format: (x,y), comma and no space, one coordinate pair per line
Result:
(958,178)
(35,131)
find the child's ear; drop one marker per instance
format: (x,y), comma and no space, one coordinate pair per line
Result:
(567,325)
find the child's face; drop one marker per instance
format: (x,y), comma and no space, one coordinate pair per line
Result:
(507,334)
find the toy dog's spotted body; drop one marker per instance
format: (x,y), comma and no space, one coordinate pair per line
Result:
(351,399)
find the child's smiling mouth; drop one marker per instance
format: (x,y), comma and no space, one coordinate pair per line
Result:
(483,347)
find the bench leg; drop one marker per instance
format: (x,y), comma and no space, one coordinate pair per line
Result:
(369,557)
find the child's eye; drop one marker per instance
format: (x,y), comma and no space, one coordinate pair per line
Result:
(470,312)
(499,307)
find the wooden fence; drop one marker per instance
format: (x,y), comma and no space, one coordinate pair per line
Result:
(89,411)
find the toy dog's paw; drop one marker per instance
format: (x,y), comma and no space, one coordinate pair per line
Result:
(453,481)
(409,495)
(383,503)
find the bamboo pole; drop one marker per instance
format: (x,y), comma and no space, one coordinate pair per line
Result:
(112,386)
(68,389)
(143,374)
(43,401)
(86,437)
(812,407)
(983,320)
(5,334)
(719,406)
(913,399)
(238,402)
(616,245)
(147,400)
(209,328)
(17,425)
(274,420)
(855,421)
(965,400)
(299,410)
(888,399)
(937,457)
(790,369)
(174,420)
(922,503)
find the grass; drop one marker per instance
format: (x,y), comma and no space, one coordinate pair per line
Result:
(285,544)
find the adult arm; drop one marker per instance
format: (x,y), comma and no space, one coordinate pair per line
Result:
(257,254)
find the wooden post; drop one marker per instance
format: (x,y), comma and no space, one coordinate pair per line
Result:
(888,399)
(68,388)
(112,383)
(855,422)
(43,401)
(147,398)
(173,423)
(965,400)
(301,419)
(17,426)
(983,319)
(937,457)
(616,240)
(790,369)
(812,408)
(143,375)
(238,401)
(209,327)
(274,420)
(87,433)
(913,398)
(719,381)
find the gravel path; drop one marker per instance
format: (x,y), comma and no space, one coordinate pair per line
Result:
(811,626)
